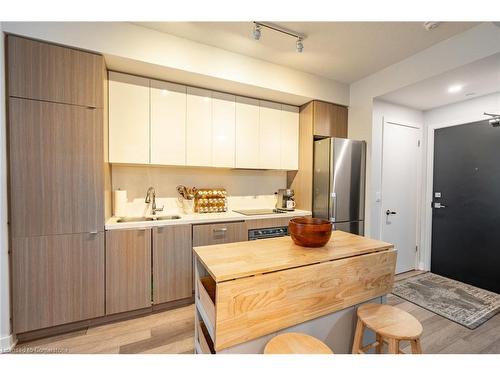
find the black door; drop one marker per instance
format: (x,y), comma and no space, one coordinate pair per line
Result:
(466,231)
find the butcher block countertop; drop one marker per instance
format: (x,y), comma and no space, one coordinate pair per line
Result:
(242,259)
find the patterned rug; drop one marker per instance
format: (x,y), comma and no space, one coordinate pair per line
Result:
(459,302)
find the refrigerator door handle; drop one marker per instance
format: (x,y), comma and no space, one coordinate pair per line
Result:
(334,206)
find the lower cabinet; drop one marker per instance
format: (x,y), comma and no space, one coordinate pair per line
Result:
(213,234)
(128,270)
(172,263)
(57,279)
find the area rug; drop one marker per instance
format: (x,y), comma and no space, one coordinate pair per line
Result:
(456,301)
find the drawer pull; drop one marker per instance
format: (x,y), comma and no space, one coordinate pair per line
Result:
(220,230)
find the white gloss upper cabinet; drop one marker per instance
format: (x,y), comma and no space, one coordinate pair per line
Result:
(168,123)
(247,133)
(199,127)
(289,137)
(223,129)
(269,135)
(128,119)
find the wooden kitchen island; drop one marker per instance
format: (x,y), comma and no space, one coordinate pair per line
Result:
(248,292)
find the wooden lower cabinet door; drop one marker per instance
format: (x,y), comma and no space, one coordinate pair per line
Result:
(172,263)
(57,280)
(128,270)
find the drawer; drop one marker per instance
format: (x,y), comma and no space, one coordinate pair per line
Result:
(204,342)
(205,302)
(213,234)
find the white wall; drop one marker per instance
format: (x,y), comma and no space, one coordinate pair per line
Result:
(474,44)
(139,50)
(5,337)
(463,112)
(450,115)
(394,113)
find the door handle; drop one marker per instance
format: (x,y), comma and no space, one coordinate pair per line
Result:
(389,212)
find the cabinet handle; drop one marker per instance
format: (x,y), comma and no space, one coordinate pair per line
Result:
(93,232)
(221,230)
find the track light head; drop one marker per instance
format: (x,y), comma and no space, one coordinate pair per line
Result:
(256,31)
(299,45)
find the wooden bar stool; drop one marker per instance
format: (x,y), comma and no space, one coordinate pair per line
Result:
(390,324)
(296,343)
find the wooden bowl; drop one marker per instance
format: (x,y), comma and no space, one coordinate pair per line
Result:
(310,232)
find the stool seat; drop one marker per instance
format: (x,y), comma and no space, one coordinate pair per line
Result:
(296,343)
(390,322)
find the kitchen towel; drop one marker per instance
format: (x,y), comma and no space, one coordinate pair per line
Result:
(120,203)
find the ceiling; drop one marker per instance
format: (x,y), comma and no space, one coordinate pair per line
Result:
(342,51)
(479,78)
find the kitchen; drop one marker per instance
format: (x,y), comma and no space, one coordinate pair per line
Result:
(144,196)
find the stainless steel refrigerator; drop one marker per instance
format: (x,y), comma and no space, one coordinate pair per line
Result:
(339,183)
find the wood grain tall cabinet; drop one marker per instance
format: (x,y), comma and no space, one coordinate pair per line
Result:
(57,178)
(317,119)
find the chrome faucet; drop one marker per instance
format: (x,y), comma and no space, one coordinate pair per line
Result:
(152,193)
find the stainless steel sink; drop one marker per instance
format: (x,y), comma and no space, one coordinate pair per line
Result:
(171,217)
(133,219)
(137,219)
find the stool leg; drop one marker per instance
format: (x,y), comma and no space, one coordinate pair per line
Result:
(378,349)
(358,337)
(415,347)
(393,346)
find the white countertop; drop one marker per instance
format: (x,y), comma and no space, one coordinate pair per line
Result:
(199,219)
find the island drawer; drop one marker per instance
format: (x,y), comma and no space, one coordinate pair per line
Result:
(213,234)
(205,343)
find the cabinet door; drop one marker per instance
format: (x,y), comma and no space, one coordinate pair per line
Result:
(289,138)
(128,119)
(56,174)
(213,234)
(199,127)
(330,120)
(168,123)
(269,135)
(172,263)
(247,133)
(57,280)
(53,73)
(128,270)
(223,127)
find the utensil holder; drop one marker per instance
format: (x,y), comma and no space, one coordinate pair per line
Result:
(188,206)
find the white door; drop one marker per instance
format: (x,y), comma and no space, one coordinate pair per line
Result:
(269,135)
(289,137)
(223,126)
(400,163)
(199,127)
(128,119)
(247,133)
(168,123)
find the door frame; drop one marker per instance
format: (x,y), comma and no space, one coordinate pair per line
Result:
(418,221)
(426,234)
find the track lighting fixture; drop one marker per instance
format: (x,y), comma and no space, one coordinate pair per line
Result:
(256,31)
(299,45)
(257,27)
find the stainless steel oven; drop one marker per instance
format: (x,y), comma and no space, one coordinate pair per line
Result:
(257,234)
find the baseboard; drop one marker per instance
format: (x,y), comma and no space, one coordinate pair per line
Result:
(7,343)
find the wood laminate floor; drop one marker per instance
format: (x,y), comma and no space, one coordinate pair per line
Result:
(172,332)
